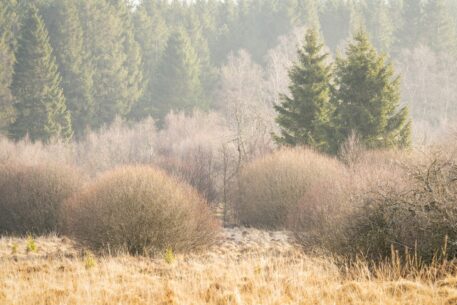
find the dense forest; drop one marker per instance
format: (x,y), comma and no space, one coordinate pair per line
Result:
(69,66)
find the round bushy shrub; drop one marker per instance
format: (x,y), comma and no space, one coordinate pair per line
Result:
(270,187)
(31,196)
(141,210)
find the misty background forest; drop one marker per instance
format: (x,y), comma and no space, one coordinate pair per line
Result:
(228,152)
(90,62)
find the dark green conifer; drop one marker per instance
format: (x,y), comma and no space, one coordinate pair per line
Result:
(8,25)
(66,35)
(134,81)
(439,27)
(381,25)
(151,32)
(115,78)
(335,18)
(409,33)
(41,110)
(367,98)
(178,86)
(304,117)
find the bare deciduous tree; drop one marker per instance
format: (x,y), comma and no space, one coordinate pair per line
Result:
(428,87)
(242,100)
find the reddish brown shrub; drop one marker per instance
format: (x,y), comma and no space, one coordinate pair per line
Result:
(31,196)
(328,206)
(321,213)
(272,186)
(385,200)
(141,210)
(418,213)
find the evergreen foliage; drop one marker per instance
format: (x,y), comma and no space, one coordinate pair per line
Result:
(312,15)
(66,35)
(39,101)
(195,28)
(178,85)
(8,25)
(134,79)
(357,18)
(335,20)
(224,38)
(440,30)
(367,98)
(381,26)
(151,32)
(408,34)
(304,118)
(124,58)
(114,90)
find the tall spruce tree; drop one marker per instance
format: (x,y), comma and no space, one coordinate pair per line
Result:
(226,20)
(8,24)
(208,73)
(335,18)
(440,29)
(367,98)
(66,35)
(304,118)
(6,76)
(380,25)
(312,14)
(151,32)
(114,83)
(357,18)
(39,101)
(409,32)
(134,81)
(304,12)
(178,85)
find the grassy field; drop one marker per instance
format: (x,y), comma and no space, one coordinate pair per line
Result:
(245,267)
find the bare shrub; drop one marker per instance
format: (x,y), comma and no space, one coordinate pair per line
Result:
(118,144)
(34,153)
(199,149)
(328,205)
(141,210)
(321,214)
(272,186)
(279,60)
(189,148)
(351,149)
(243,101)
(115,145)
(428,88)
(31,196)
(417,213)
(384,200)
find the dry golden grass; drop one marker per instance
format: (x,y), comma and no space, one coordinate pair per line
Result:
(246,267)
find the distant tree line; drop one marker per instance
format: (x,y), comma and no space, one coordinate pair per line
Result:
(67,66)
